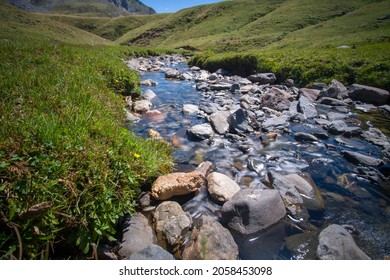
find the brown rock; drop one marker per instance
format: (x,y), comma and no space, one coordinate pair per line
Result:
(177,184)
(210,241)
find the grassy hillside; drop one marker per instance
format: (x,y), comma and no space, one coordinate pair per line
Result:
(109,8)
(68,166)
(242,25)
(18,25)
(108,28)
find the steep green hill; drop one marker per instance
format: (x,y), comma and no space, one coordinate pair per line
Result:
(252,24)
(111,8)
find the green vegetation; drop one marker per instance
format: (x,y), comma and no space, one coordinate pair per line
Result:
(68,166)
(293,38)
(104,8)
(368,64)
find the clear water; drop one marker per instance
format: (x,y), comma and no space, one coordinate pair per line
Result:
(350,199)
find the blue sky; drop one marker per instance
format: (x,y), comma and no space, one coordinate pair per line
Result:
(170,6)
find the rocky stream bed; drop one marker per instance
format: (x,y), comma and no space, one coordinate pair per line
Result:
(264,170)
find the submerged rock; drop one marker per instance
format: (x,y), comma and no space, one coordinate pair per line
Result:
(307,137)
(336,243)
(359,158)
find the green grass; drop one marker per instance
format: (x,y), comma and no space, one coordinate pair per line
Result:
(17,25)
(68,166)
(368,64)
(243,25)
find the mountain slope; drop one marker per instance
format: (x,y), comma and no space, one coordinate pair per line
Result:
(109,8)
(17,25)
(252,24)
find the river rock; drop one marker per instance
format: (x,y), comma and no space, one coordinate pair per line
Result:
(310,94)
(154,116)
(177,184)
(149,83)
(149,95)
(190,109)
(263,78)
(202,86)
(334,116)
(305,137)
(275,123)
(210,241)
(172,74)
(219,122)
(252,210)
(311,195)
(376,137)
(152,252)
(238,122)
(221,187)
(142,106)
(337,127)
(171,223)
(291,197)
(205,168)
(220,86)
(358,158)
(200,131)
(276,99)
(369,94)
(336,243)
(137,234)
(306,107)
(331,101)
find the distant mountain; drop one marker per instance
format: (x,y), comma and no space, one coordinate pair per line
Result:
(109,8)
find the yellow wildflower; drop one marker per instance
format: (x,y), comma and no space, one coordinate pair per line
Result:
(137,155)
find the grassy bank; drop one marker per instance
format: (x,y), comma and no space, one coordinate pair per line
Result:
(68,167)
(368,64)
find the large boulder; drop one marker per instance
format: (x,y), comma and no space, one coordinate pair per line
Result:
(368,94)
(177,184)
(306,107)
(263,78)
(200,131)
(336,243)
(238,122)
(276,99)
(171,223)
(310,94)
(219,121)
(137,235)
(210,241)
(152,252)
(221,187)
(252,210)
(291,197)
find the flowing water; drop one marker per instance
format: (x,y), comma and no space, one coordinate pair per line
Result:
(350,200)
